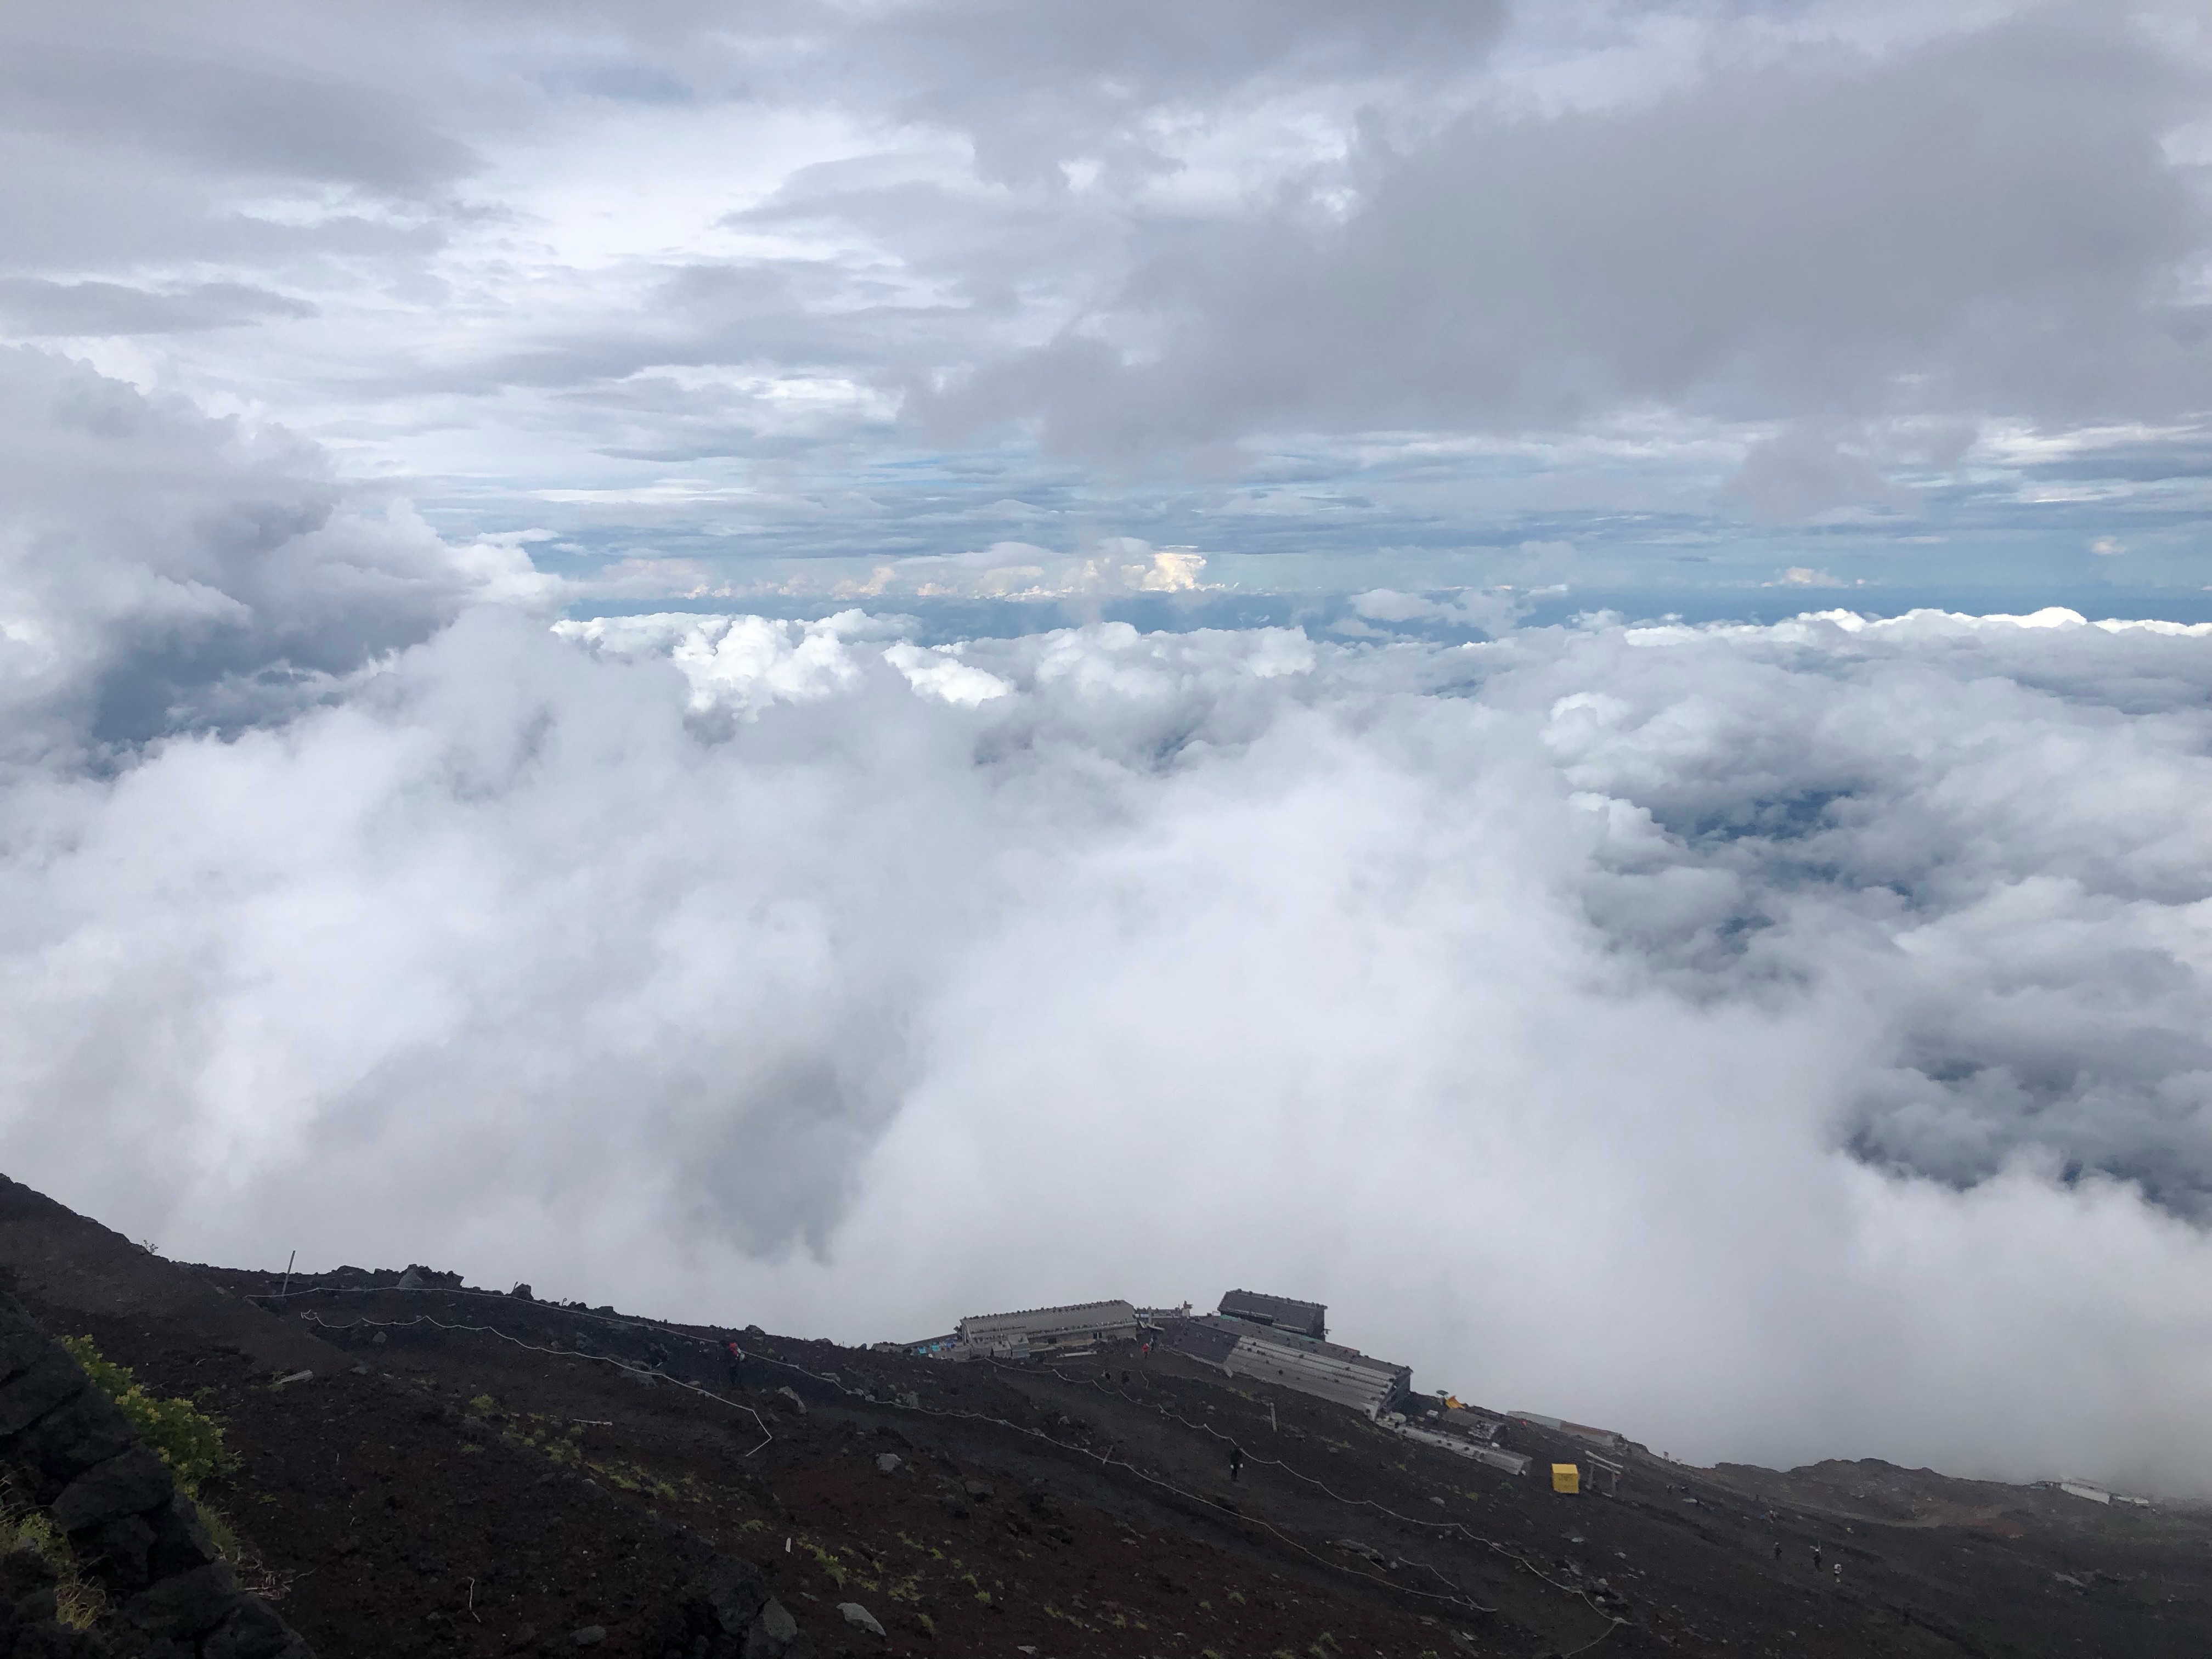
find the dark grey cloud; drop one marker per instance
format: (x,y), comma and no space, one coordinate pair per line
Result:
(1988,221)
(1700,289)
(161,570)
(1035,86)
(33,306)
(242,121)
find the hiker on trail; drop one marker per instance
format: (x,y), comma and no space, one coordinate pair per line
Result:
(1839,1575)
(731,1359)
(1816,1558)
(1777,1549)
(1236,1461)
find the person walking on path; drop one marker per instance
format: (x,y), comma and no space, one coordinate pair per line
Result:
(1816,1558)
(1236,1461)
(1777,1549)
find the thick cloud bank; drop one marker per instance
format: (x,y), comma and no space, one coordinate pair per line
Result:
(1777,1041)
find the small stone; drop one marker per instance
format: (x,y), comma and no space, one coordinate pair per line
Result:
(978,1490)
(854,1615)
(590,1637)
(888,1463)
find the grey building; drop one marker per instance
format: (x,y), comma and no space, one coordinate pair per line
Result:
(1039,1327)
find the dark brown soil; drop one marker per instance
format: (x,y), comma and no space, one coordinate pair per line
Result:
(492,1477)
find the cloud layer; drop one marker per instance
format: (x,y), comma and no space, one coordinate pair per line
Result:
(1778,1042)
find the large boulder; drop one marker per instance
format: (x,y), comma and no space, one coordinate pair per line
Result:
(185,1605)
(120,1552)
(180,1539)
(775,1635)
(42,1384)
(87,1429)
(130,1483)
(254,1632)
(726,1612)
(730,1594)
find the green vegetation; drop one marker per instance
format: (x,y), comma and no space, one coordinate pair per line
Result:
(187,1439)
(79,1602)
(826,1560)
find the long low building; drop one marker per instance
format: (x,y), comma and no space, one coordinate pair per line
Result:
(1271,1354)
(1608,1438)
(1039,1327)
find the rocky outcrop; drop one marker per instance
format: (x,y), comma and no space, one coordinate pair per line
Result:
(727,1611)
(66,1446)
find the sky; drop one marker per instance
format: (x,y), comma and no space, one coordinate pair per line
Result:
(1723,302)
(1544,673)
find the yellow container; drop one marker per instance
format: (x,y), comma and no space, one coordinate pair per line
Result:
(1566,1477)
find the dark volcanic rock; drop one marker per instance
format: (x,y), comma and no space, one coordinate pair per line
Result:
(130,1483)
(189,1604)
(75,1435)
(730,1594)
(253,1631)
(40,1386)
(775,1635)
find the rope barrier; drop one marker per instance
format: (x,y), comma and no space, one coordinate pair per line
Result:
(313,1318)
(1460,1527)
(1104,1459)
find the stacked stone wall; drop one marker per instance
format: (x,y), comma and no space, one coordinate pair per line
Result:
(67,1449)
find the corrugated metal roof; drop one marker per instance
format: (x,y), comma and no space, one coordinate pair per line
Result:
(1283,1312)
(1364,1384)
(1048,1321)
(1208,1342)
(1496,1458)
(1303,1362)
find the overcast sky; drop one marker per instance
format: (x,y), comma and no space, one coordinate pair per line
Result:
(744,300)
(568,704)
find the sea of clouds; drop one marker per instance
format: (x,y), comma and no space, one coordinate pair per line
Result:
(1776,1041)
